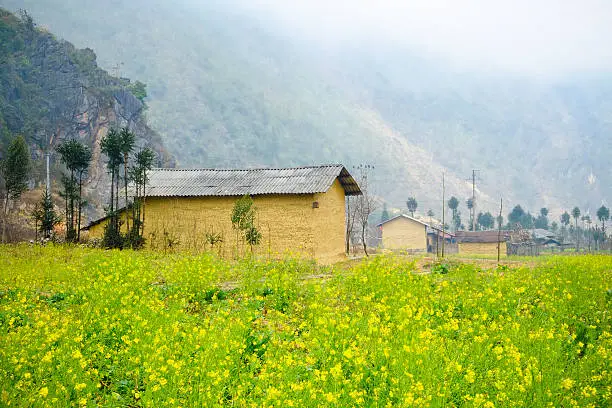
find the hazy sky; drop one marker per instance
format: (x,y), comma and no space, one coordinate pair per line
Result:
(534,37)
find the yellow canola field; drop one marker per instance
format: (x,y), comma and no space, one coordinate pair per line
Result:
(86,327)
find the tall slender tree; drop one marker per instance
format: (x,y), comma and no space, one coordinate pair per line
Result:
(603,215)
(453,204)
(470,205)
(576,215)
(412,205)
(127,145)
(45,215)
(77,157)
(14,170)
(143,162)
(111,146)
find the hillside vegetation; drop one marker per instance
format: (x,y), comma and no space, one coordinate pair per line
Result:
(228,89)
(52,91)
(108,328)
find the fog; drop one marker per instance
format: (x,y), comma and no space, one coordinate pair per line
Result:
(545,38)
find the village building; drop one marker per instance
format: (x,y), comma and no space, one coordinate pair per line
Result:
(299,211)
(436,237)
(482,242)
(404,233)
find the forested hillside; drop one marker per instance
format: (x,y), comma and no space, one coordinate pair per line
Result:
(229,89)
(51,91)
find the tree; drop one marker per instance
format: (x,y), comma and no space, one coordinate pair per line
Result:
(143,162)
(243,221)
(470,205)
(516,215)
(111,146)
(542,219)
(126,142)
(453,204)
(76,156)
(565,219)
(554,227)
(14,170)
(365,204)
(500,221)
(486,220)
(412,205)
(576,214)
(45,216)
(139,90)
(385,214)
(603,215)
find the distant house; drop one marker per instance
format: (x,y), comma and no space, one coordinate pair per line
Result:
(435,236)
(544,237)
(482,242)
(300,211)
(404,233)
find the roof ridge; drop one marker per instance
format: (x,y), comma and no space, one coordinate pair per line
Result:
(248,169)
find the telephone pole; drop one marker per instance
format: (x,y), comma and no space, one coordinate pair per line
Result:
(473,209)
(443,233)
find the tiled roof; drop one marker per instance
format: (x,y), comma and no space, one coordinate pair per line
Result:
(221,182)
(404,216)
(481,236)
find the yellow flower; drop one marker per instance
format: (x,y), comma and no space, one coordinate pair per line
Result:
(80,386)
(567,384)
(44,391)
(470,376)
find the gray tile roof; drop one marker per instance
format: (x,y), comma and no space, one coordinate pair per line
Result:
(220,182)
(481,236)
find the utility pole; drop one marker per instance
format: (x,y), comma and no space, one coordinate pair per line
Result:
(473,209)
(48,178)
(443,234)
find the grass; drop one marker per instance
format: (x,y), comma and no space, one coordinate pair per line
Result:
(84,327)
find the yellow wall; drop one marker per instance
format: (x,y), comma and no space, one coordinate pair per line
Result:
(479,248)
(403,233)
(288,223)
(97,231)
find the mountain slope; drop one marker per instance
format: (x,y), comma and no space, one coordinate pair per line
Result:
(50,91)
(226,89)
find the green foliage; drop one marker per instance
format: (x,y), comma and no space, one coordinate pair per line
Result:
(576,214)
(243,213)
(143,162)
(565,219)
(486,220)
(112,238)
(603,215)
(45,215)
(518,216)
(77,157)
(254,333)
(412,205)
(139,90)
(243,220)
(15,168)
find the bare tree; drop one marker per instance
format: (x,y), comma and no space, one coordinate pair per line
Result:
(365,203)
(351,216)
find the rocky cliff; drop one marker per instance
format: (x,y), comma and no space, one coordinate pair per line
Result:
(51,91)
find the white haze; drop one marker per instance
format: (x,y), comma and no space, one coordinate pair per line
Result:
(539,38)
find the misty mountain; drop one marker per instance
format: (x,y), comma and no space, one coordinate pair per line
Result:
(51,91)
(227,88)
